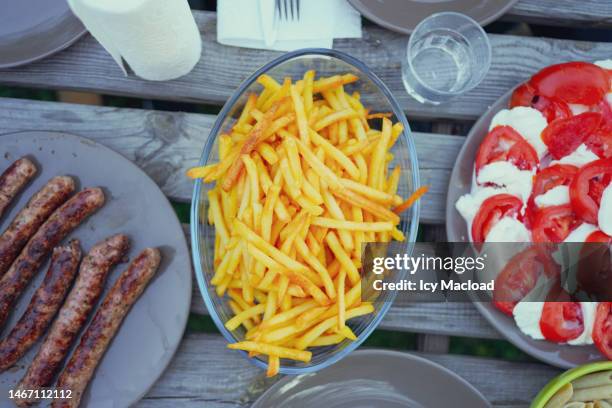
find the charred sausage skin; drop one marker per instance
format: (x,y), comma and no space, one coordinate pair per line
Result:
(50,234)
(31,217)
(44,305)
(14,179)
(104,325)
(81,300)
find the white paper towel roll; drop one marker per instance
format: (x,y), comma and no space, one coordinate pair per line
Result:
(159,39)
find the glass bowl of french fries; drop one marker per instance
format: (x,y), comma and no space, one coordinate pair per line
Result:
(310,159)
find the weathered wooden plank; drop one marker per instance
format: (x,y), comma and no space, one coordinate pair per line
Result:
(205,373)
(584,13)
(165,144)
(86,66)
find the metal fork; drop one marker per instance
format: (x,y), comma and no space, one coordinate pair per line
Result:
(288,9)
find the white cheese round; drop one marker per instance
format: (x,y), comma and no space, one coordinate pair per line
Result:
(528,122)
(604,215)
(508,229)
(527,317)
(577,109)
(581,233)
(605,64)
(579,157)
(558,195)
(505,174)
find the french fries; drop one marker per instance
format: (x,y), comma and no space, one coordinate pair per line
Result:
(301,184)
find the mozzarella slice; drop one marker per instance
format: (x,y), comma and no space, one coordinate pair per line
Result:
(527,317)
(508,229)
(604,215)
(577,109)
(579,157)
(605,64)
(505,174)
(558,195)
(589,310)
(528,312)
(528,122)
(581,233)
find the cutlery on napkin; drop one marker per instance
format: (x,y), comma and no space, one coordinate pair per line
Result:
(241,23)
(158,39)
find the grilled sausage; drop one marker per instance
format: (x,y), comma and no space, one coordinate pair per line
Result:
(104,326)
(14,178)
(72,316)
(60,223)
(31,217)
(44,304)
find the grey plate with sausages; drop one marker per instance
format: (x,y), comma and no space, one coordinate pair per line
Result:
(152,331)
(33,29)
(563,356)
(375,378)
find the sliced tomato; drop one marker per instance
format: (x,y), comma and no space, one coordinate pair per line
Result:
(491,211)
(600,142)
(503,143)
(547,179)
(561,321)
(599,236)
(554,224)
(587,187)
(553,176)
(602,329)
(563,136)
(520,276)
(523,95)
(572,82)
(551,108)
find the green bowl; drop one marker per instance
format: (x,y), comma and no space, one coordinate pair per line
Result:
(555,385)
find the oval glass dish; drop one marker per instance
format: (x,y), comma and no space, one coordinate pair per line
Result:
(375,96)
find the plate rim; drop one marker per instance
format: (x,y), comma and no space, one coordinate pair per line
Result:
(77,36)
(405,356)
(366,12)
(91,142)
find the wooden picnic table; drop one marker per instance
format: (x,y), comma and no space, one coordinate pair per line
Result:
(164,144)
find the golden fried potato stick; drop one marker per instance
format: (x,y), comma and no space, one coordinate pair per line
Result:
(282,352)
(255,137)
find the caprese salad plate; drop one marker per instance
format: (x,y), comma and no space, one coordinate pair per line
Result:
(537,167)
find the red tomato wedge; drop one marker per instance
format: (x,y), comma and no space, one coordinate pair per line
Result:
(587,187)
(551,108)
(554,224)
(520,276)
(503,143)
(561,321)
(599,236)
(602,329)
(600,142)
(572,82)
(491,211)
(563,136)
(547,179)
(553,176)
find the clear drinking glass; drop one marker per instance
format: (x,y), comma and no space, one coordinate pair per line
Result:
(448,54)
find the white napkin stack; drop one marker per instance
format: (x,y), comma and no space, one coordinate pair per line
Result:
(159,39)
(239,23)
